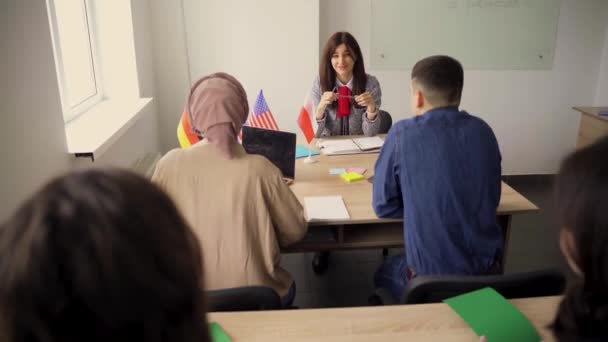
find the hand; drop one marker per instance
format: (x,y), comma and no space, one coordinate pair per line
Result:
(326,99)
(366,100)
(483,339)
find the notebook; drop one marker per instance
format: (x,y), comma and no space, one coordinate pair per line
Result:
(369,143)
(339,146)
(351,146)
(278,147)
(303,151)
(492,316)
(323,208)
(217,333)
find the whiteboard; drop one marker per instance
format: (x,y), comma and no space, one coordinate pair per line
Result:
(481,34)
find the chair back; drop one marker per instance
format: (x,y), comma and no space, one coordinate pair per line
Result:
(247,298)
(386,121)
(432,289)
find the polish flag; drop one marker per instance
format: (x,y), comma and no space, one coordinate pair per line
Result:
(304,120)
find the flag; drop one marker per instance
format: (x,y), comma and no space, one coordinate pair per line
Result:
(304,120)
(261,116)
(185,134)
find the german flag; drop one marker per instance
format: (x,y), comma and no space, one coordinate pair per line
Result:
(185,134)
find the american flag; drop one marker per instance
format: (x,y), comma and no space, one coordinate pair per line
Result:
(261,116)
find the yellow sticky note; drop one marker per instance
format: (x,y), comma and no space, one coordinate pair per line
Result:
(352,176)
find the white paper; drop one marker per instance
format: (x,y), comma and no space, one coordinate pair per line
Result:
(321,208)
(369,143)
(342,146)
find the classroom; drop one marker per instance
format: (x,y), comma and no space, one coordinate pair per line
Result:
(535,73)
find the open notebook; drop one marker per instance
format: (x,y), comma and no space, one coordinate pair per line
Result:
(324,208)
(351,146)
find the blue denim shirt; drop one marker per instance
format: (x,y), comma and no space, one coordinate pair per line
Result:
(441,171)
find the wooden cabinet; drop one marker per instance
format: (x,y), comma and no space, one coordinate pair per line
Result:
(592,126)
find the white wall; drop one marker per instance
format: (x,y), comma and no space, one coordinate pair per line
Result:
(32,138)
(530,111)
(170,65)
(267,44)
(32,135)
(274,45)
(601,93)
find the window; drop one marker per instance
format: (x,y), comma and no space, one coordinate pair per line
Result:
(75,55)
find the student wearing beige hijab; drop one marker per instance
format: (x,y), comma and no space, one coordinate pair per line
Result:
(238,205)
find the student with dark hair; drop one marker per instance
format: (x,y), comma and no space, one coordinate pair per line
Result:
(441,171)
(347,99)
(582,212)
(100,255)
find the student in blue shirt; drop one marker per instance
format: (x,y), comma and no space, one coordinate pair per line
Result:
(440,170)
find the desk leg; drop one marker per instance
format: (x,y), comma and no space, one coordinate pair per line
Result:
(505,223)
(320,261)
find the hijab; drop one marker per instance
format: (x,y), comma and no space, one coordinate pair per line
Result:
(218,108)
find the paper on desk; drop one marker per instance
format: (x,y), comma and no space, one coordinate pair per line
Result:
(337,171)
(352,176)
(369,143)
(359,170)
(339,146)
(492,316)
(325,208)
(217,333)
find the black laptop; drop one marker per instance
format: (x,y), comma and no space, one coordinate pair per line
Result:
(278,147)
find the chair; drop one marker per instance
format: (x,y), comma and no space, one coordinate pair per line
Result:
(247,298)
(433,289)
(386,121)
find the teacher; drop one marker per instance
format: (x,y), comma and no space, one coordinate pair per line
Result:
(347,100)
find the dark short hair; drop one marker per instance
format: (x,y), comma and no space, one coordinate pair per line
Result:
(582,209)
(327,74)
(100,255)
(441,79)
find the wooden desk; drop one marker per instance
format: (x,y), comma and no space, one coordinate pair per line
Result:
(425,322)
(591,126)
(365,229)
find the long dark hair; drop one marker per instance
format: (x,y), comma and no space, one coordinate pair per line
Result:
(100,255)
(582,204)
(327,74)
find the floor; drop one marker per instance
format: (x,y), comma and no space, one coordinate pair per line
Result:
(348,280)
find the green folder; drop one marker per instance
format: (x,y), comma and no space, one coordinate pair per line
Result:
(492,316)
(217,333)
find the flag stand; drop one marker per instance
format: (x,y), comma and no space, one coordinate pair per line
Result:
(310,159)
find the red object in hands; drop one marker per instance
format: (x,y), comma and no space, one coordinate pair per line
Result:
(344,98)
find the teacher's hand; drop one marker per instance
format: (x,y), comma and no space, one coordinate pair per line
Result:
(366,100)
(326,99)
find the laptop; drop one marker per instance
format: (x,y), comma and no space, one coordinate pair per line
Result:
(278,147)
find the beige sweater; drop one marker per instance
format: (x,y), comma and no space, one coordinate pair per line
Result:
(241,211)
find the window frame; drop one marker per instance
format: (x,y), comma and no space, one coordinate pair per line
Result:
(72,112)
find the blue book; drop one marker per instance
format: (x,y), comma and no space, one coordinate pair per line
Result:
(302,151)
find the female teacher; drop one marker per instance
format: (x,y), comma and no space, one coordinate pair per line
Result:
(347,99)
